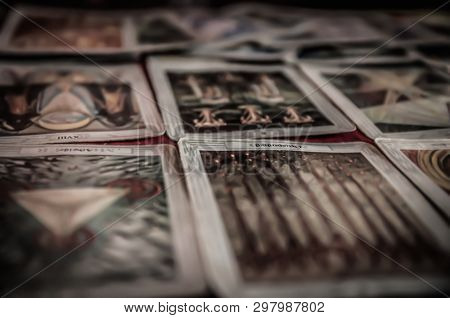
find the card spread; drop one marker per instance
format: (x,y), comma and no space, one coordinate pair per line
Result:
(234,200)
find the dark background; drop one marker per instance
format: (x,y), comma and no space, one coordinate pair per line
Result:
(321,4)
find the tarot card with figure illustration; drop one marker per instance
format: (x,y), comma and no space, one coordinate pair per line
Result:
(200,97)
(403,100)
(426,162)
(40,30)
(278,218)
(62,102)
(95,221)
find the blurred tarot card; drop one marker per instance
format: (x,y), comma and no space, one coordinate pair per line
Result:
(285,219)
(426,163)
(213,98)
(40,30)
(95,221)
(405,100)
(62,102)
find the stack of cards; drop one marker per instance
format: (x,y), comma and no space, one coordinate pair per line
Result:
(224,204)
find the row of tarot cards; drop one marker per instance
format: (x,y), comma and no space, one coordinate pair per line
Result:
(210,98)
(254,218)
(37,30)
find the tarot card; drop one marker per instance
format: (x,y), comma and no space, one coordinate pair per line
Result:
(201,98)
(426,163)
(278,218)
(348,53)
(60,31)
(62,102)
(405,100)
(95,221)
